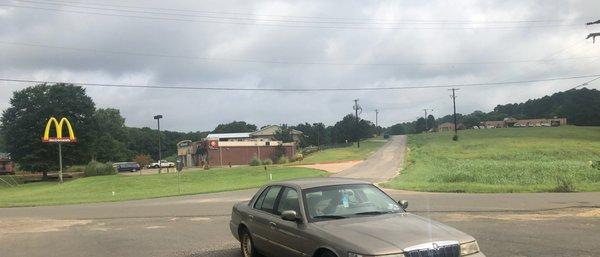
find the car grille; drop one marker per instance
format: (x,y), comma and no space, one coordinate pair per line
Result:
(442,251)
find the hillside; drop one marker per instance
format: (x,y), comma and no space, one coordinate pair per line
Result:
(580,106)
(504,160)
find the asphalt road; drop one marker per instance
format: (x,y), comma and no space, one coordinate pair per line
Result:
(554,224)
(382,165)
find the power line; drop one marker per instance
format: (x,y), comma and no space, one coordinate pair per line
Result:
(282,25)
(189,57)
(585,83)
(215,88)
(446,21)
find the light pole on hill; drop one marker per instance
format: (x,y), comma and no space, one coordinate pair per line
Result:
(453,96)
(357,108)
(157,118)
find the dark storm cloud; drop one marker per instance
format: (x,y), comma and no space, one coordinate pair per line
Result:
(255,56)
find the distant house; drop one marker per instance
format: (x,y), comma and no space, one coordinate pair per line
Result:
(268,133)
(511,122)
(446,126)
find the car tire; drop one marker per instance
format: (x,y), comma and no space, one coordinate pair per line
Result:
(327,254)
(247,245)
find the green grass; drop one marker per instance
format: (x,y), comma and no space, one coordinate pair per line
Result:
(349,153)
(503,160)
(99,189)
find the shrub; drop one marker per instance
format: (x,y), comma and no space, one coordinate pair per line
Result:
(283,159)
(298,157)
(565,183)
(76,168)
(267,162)
(595,164)
(455,138)
(255,161)
(95,168)
(143,160)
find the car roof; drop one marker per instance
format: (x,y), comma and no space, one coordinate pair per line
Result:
(318,182)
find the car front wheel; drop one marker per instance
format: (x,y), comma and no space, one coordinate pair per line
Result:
(246,245)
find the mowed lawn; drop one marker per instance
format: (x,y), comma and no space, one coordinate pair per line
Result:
(348,153)
(503,160)
(100,189)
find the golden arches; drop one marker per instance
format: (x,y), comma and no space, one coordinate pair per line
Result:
(59,135)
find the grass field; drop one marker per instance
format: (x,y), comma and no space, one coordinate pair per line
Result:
(503,160)
(100,189)
(349,153)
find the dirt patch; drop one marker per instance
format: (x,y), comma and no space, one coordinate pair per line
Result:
(28,225)
(334,167)
(533,216)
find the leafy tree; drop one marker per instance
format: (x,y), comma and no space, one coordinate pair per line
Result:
(235,127)
(142,159)
(348,130)
(431,123)
(111,136)
(400,129)
(284,134)
(420,125)
(24,121)
(314,135)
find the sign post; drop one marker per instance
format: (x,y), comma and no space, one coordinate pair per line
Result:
(179,169)
(59,139)
(60,179)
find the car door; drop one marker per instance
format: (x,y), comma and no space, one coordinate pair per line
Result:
(289,236)
(260,217)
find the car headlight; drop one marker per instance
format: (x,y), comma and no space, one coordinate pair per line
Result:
(350,254)
(469,248)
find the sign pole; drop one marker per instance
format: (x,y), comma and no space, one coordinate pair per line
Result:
(60,175)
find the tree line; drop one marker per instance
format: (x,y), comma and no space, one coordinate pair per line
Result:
(102,135)
(581,107)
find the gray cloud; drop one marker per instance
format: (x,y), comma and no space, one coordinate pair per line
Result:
(188,110)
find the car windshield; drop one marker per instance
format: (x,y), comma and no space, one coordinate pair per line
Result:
(344,201)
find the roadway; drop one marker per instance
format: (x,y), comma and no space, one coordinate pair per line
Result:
(544,224)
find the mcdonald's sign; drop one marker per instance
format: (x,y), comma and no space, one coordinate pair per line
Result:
(58,125)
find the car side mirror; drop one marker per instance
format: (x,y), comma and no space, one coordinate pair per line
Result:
(403,204)
(290,216)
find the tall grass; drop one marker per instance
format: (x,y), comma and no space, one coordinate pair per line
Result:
(504,160)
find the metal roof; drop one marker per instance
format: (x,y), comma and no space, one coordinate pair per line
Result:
(229,135)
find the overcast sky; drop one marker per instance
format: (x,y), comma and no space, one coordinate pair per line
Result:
(296,44)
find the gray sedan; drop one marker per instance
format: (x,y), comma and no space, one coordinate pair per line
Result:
(327,217)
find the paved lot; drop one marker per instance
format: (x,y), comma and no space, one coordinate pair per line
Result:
(555,224)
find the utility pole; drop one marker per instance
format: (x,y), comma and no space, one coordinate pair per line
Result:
(357,108)
(377,121)
(425,110)
(453,96)
(157,118)
(593,35)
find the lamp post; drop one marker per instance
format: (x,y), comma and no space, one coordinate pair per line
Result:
(157,118)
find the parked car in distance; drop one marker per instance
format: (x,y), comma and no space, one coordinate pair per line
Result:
(126,166)
(163,164)
(335,217)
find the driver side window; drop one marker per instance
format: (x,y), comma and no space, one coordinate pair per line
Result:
(289,201)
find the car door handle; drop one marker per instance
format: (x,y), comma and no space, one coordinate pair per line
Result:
(272,224)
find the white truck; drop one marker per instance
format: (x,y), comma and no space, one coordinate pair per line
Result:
(162,164)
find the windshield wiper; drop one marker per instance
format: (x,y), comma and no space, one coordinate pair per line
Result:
(330,217)
(373,212)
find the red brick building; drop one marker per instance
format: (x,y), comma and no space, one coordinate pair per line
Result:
(223,153)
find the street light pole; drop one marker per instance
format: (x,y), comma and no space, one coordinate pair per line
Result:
(157,118)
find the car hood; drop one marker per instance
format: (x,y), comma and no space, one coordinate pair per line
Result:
(389,233)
